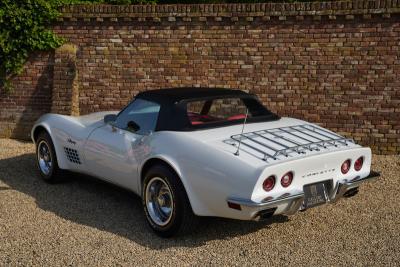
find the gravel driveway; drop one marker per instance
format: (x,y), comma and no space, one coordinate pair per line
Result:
(86,222)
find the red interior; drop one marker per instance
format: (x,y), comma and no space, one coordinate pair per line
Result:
(196,119)
(237,117)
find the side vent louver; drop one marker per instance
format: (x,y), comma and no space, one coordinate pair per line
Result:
(72,155)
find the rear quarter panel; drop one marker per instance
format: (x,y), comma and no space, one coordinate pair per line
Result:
(209,175)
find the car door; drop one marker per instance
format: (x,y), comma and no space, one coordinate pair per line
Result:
(111,151)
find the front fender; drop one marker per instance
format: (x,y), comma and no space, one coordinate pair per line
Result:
(67,131)
(43,122)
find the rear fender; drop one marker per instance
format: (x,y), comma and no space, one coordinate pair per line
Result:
(209,175)
(194,201)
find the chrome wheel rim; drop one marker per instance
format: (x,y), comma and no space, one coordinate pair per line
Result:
(159,201)
(44,158)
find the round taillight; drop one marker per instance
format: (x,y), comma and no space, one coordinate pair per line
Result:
(358,163)
(346,166)
(287,179)
(269,183)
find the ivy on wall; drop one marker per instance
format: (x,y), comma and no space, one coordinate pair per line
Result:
(23,29)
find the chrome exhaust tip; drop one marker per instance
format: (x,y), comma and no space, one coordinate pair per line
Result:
(265,214)
(351,193)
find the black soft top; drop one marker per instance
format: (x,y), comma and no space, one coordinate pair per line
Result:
(174,95)
(173,114)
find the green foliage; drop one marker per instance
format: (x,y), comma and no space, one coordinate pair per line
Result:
(23,29)
(229,1)
(111,2)
(160,2)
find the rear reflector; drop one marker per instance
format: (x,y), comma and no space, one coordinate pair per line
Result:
(234,206)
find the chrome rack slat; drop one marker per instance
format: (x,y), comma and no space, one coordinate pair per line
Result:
(329,141)
(322,130)
(315,137)
(298,145)
(308,145)
(252,147)
(287,148)
(271,140)
(282,151)
(315,129)
(340,139)
(277,152)
(261,143)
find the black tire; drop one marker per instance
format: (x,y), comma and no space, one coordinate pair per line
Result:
(182,220)
(54,173)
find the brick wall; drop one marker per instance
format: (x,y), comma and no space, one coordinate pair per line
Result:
(30,98)
(335,63)
(65,94)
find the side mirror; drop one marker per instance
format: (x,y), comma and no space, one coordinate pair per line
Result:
(133,126)
(110,118)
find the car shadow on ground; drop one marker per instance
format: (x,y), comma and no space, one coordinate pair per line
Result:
(87,201)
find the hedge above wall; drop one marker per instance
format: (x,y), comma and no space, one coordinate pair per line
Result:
(167,2)
(334,8)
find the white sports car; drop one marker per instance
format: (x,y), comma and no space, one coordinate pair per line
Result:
(204,152)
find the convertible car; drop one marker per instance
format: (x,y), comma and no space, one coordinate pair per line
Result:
(192,152)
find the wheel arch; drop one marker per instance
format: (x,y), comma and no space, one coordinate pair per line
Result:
(154,161)
(171,165)
(44,127)
(37,130)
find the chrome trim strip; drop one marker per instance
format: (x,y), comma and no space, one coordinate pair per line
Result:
(266,204)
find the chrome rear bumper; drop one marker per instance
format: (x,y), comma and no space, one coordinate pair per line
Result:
(294,200)
(344,186)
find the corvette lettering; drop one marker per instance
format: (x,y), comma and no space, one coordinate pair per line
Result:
(318,173)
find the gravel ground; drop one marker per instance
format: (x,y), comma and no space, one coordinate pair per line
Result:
(86,222)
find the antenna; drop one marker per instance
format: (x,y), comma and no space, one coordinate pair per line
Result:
(240,138)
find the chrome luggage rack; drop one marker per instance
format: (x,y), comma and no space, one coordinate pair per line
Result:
(287,141)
